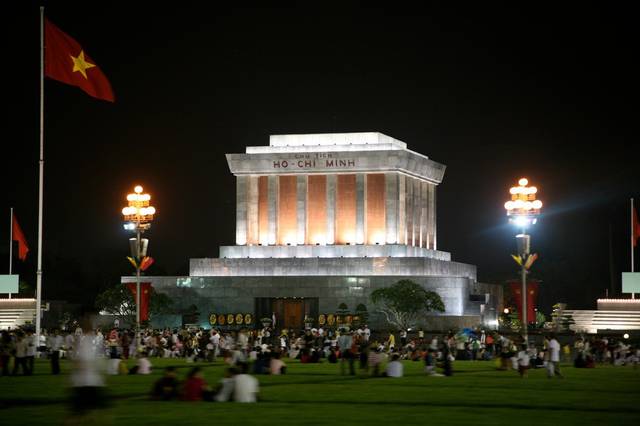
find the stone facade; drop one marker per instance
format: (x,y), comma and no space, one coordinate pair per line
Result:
(322,221)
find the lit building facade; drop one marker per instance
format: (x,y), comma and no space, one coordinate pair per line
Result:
(322,220)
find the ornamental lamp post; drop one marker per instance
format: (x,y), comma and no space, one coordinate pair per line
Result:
(523,209)
(138,216)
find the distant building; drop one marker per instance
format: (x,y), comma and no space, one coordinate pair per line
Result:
(612,316)
(322,220)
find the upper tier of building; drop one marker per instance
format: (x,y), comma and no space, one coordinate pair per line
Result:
(334,153)
(343,189)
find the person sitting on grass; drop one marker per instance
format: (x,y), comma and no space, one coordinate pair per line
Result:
(430,363)
(143,365)
(225,388)
(447,359)
(262,363)
(195,387)
(245,387)
(123,368)
(315,356)
(166,388)
(333,355)
(395,367)
(305,357)
(374,360)
(277,366)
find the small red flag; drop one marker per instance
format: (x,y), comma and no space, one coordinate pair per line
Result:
(635,227)
(146,262)
(66,61)
(18,236)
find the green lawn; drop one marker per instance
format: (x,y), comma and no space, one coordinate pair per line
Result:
(310,394)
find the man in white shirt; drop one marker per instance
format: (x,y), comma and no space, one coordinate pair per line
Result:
(245,387)
(21,354)
(395,367)
(32,349)
(55,343)
(554,358)
(86,376)
(367,333)
(434,344)
(215,341)
(523,361)
(69,343)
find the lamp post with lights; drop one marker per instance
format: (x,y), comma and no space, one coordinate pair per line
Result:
(523,209)
(138,216)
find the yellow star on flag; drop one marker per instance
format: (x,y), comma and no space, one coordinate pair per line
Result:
(80,65)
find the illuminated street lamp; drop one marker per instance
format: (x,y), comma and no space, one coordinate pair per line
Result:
(523,209)
(138,216)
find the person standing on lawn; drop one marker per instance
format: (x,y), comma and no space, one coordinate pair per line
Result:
(391,342)
(344,343)
(6,349)
(523,361)
(554,357)
(87,382)
(20,360)
(403,339)
(55,343)
(366,333)
(32,349)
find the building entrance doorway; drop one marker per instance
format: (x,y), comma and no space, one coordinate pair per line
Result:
(289,312)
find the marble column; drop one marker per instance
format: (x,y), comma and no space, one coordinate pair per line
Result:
(252,210)
(272,190)
(301,203)
(331,209)
(402,211)
(433,218)
(360,207)
(241,210)
(424,218)
(416,212)
(391,207)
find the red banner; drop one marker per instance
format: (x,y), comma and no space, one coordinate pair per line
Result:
(532,296)
(18,236)
(145,289)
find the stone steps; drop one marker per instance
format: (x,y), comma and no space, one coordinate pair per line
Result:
(592,321)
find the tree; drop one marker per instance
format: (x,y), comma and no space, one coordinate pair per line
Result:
(118,301)
(362,314)
(405,302)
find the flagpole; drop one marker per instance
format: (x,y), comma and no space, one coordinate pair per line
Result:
(41,178)
(633,295)
(11,245)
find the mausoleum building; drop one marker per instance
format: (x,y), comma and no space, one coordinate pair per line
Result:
(322,220)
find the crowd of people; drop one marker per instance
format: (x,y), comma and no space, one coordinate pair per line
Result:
(262,351)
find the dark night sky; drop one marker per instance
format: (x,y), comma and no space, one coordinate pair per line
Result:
(494,94)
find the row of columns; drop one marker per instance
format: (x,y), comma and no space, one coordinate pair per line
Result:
(389,208)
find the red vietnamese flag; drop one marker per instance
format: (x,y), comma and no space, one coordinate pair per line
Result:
(145,296)
(18,236)
(635,227)
(65,61)
(532,295)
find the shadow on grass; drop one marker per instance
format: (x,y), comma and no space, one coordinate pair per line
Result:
(457,404)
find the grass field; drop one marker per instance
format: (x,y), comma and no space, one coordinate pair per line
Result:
(311,394)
